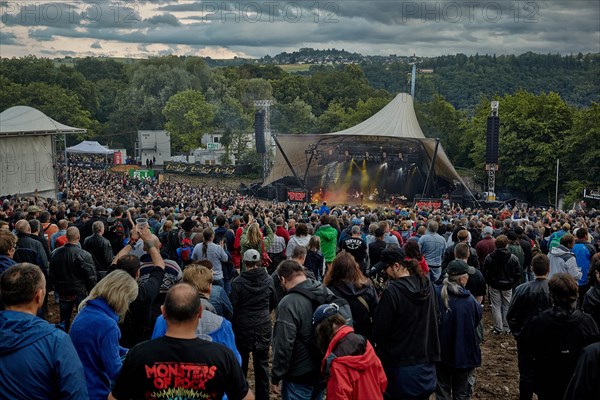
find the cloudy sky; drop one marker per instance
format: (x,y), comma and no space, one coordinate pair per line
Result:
(224,29)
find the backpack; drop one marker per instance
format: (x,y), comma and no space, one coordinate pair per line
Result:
(554,242)
(117,229)
(185,250)
(311,344)
(314,263)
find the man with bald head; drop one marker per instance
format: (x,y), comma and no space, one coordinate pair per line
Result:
(179,362)
(73,274)
(29,249)
(100,249)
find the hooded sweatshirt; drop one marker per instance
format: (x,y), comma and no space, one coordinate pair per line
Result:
(458,326)
(591,303)
(562,260)
(253,298)
(95,335)
(292,335)
(294,242)
(328,235)
(554,340)
(37,360)
(361,315)
(352,369)
(405,324)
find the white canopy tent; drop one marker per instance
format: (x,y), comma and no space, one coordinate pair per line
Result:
(89,147)
(27,149)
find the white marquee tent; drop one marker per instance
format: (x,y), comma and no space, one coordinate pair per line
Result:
(26,151)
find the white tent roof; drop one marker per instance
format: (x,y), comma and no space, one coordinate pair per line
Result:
(89,147)
(396,121)
(21,120)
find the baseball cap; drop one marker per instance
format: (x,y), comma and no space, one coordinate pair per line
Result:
(325,311)
(388,257)
(459,267)
(251,255)
(488,230)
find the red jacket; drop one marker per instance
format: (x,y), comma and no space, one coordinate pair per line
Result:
(281,231)
(353,377)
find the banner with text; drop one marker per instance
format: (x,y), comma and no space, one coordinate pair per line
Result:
(297,195)
(429,203)
(202,170)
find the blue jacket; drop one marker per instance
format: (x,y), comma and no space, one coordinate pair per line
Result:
(220,301)
(457,329)
(583,254)
(211,327)
(37,360)
(5,263)
(96,335)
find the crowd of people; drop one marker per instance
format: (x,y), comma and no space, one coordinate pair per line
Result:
(165,289)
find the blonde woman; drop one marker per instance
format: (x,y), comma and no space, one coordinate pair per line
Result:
(252,238)
(95,333)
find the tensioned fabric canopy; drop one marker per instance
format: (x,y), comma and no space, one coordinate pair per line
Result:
(89,147)
(23,120)
(394,123)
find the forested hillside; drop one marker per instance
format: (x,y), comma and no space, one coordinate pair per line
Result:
(548,104)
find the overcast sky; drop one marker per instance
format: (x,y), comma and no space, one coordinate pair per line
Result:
(224,29)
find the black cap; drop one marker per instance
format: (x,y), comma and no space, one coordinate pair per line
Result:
(388,257)
(459,267)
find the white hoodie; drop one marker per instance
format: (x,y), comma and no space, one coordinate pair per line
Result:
(562,260)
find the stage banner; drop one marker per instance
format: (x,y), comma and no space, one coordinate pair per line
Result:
(297,195)
(172,167)
(592,193)
(141,173)
(117,158)
(429,203)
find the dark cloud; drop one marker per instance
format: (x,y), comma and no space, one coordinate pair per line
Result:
(7,38)
(164,19)
(373,27)
(96,45)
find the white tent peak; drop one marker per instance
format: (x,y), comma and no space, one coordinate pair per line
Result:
(89,147)
(28,120)
(396,119)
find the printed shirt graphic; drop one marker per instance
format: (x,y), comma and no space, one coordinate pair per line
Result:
(182,369)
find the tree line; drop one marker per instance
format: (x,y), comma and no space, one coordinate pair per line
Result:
(189,98)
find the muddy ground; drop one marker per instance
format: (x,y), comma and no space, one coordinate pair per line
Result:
(498,377)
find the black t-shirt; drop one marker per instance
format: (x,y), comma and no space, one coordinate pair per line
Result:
(357,247)
(375,249)
(476,284)
(170,368)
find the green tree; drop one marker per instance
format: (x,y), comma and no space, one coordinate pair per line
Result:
(533,132)
(294,117)
(235,124)
(254,89)
(581,155)
(188,116)
(331,120)
(439,119)
(363,110)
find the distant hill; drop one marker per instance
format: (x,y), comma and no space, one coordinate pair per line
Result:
(463,80)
